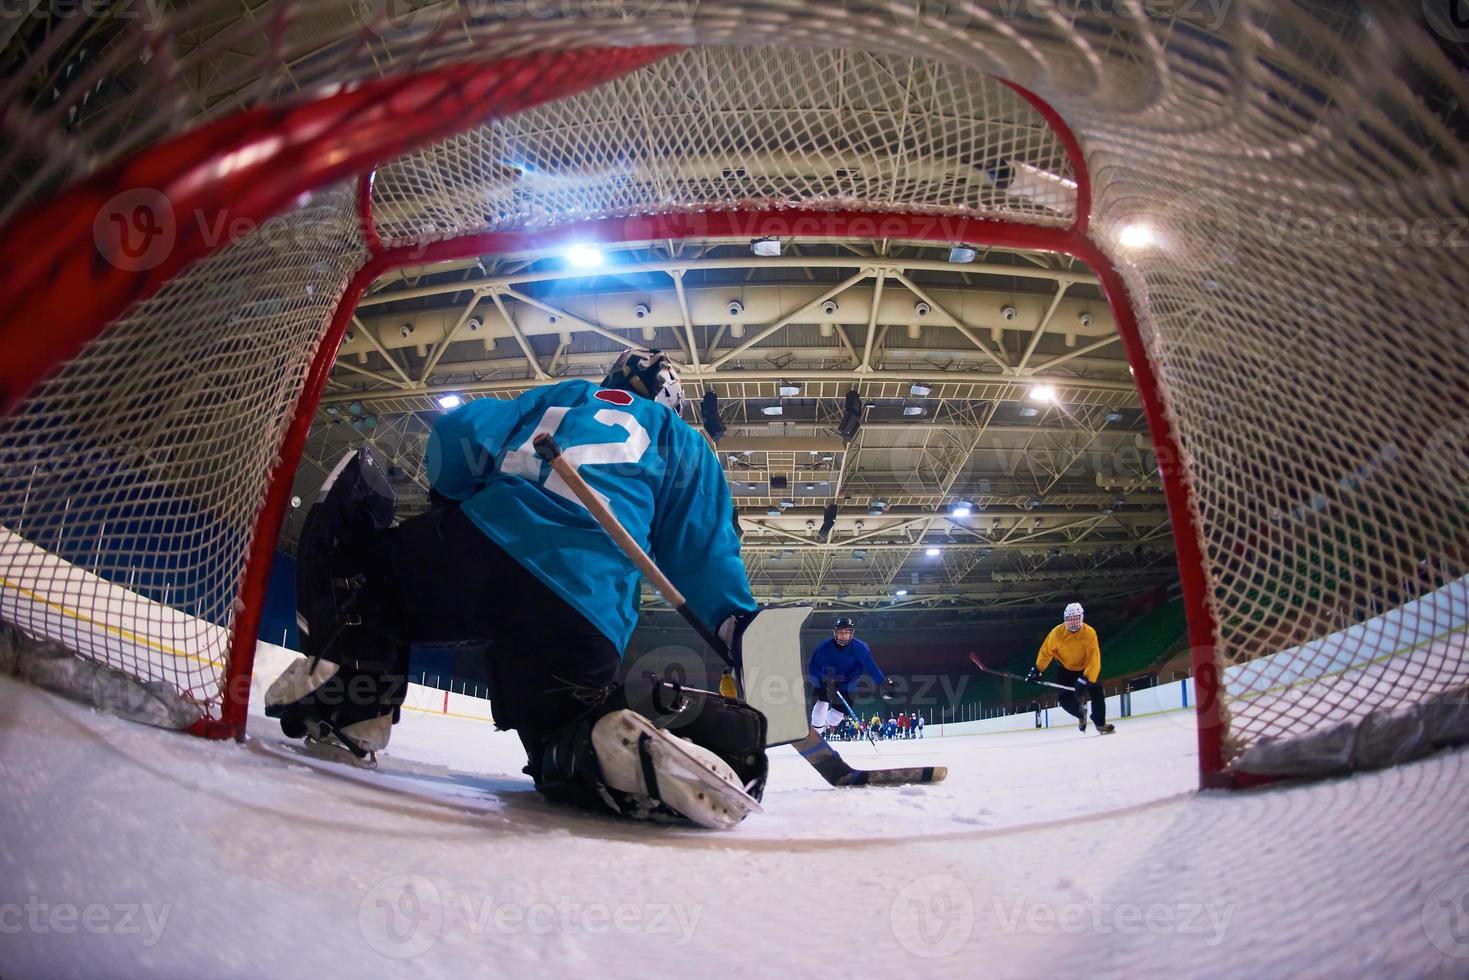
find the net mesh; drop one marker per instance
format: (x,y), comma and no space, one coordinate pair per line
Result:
(134,475)
(748,128)
(1304,171)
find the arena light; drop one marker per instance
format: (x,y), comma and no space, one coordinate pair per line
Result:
(912,409)
(788,390)
(1042,393)
(1137,235)
(932,552)
(448,402)
(961,508)
(901,592)
(584,256)
(962,253)
(919,389)
(773,410)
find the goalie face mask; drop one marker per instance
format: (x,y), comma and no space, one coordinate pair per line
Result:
(647,372)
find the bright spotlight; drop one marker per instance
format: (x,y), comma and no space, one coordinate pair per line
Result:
(447,402)
(584,256)
(961,509)
(1137,235)
(902,592)
(932,552)
(1042,393)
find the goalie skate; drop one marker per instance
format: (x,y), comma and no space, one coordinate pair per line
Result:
(639,758)
(330,748)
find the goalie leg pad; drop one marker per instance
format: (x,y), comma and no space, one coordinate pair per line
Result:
(339,613)
(655,768)
(659,751)
(324,700)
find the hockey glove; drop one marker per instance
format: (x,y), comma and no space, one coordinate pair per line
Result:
(1033,676)
(1083,687)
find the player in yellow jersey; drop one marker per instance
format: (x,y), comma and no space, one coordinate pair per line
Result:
(1073,644)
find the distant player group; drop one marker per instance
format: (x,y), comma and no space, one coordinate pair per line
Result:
(899,726)
(841,666)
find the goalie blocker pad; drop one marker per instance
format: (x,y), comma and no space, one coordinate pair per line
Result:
(767,655)
(735,732)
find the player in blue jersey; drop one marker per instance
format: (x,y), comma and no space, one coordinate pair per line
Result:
(838,666)
(508,555)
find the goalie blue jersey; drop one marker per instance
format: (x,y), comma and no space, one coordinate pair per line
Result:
(651,469)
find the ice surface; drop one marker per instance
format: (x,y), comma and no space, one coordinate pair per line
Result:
(127,851)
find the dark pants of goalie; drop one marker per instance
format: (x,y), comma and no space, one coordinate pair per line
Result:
(1072,705)
(449,583)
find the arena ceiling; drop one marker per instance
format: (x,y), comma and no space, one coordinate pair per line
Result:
(996,385)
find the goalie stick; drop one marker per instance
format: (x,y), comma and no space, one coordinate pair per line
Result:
(812,747)
(1016,677)
(824,759)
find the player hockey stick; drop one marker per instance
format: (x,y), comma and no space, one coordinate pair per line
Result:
(813,748)
(1016,677)
(853,715)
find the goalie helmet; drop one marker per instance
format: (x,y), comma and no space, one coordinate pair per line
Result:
(647,372)
(1073,616)
(843,623)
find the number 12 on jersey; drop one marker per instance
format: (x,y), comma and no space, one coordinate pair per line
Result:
(523,461)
